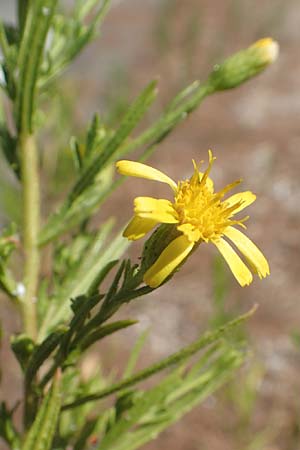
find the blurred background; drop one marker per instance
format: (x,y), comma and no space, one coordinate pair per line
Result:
(254,132)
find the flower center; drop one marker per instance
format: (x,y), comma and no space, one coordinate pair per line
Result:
(201,213)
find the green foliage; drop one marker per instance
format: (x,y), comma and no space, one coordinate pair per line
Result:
(8,242)
(148,413)
(22,347)
(89,191)
(41,433)
(71,33)
(7,429)
(75,276)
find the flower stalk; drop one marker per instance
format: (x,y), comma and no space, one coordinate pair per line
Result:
(22,12)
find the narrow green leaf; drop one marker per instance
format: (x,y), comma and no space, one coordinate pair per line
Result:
(170,118)
(125,296)
(71,35)
(8,44)
(42,431)
(4,42)
(9,147)
(104,331)
(92,135)
(103,272)
(83,8)
(140,409)
(81,307)
(38,20)
(183,95)
(152,411)
(135,353)
(172,360)
(83,208)
(22,13)
(130,120)
(79,282)
(115,283)
(77,158)
(86,431)
(7,428)
(41,353)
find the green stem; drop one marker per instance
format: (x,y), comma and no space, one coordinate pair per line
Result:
(22,12)
(31,213)
(4,42)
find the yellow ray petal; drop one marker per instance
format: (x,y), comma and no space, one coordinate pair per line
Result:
(249,250)
(167,262)
(138,227)
(136,169)
(237,266)
(191,232)
(156,209)
(148,204)
(243,198)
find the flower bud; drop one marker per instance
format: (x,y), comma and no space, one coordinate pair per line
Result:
(244,65)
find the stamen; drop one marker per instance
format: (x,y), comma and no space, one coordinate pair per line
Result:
(227,188)
(206,173)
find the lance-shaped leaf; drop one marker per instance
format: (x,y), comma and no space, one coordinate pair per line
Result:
(7,428)
(134,114)
(93,268)
(104,331)
(153,411)
(42,431)
(71,34)
(87,192)
(135,353)
(173,360)
(41,353)
(36,28)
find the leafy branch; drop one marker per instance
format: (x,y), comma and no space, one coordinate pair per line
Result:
(174,359)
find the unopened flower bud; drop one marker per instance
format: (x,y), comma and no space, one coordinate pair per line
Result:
(244,65)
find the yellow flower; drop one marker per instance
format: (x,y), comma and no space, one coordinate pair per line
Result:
(200,215)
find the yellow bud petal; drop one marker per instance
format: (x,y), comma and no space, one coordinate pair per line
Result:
(269,49)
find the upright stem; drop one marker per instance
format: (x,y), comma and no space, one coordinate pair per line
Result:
(31,216)
(22,11)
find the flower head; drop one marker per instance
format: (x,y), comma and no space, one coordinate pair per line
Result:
(199,214)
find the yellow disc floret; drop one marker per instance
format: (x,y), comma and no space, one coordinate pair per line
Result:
(203,216)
